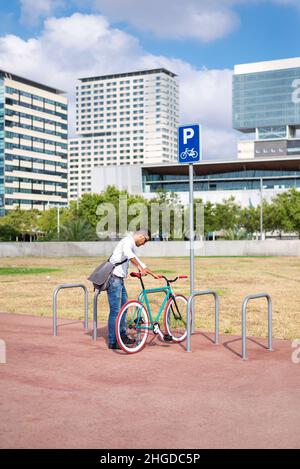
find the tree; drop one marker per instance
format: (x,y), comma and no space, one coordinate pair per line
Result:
(88,207)
(249,219)
(170,219)
(7,231)
(294,209)
(286,211)
(24,222)
(77,229)
(47,223)
(209,218)
(227,214)
(48,219)
(272,217)
(235,234)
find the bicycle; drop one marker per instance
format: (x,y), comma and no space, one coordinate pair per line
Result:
(135,320)
(192,153)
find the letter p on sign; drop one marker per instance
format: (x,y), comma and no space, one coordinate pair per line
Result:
(187,134)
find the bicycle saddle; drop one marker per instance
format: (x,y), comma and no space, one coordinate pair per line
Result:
(135,274)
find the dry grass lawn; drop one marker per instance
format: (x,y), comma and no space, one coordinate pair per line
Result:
(233,278)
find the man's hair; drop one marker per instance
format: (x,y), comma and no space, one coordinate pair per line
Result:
(144,232)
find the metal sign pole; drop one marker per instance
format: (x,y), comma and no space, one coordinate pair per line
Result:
(190,152)
(58,222)
(192,261)
(261,209)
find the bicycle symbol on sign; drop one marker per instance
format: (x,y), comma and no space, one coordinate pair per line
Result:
(192,153)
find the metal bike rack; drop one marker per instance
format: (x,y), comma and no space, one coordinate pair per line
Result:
(190,329)
(86,306)
(244,306)
(95,313)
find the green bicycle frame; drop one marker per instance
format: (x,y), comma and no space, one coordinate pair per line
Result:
(143,298)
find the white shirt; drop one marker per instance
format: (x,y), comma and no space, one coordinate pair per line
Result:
(125,249)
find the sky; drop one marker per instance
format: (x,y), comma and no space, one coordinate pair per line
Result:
(57,41)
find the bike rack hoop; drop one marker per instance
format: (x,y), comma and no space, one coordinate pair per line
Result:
(86,305)
(244,307)
(95,314)
(189,308)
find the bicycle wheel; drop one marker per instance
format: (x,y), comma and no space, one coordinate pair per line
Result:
(176,318)
(132,326)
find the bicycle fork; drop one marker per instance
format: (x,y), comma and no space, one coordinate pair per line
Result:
(173,312)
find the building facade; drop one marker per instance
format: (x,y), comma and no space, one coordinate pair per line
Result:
(123,119)
(248,181)
(266,103)
(33,144)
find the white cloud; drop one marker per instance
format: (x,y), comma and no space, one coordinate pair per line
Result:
(86,45)
(206,98)
(33,10)
(294,3)
(68,48)
(205,20)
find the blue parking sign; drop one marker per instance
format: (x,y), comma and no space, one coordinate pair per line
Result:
(189,143)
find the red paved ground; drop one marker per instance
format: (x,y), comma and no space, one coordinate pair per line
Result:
(68,392)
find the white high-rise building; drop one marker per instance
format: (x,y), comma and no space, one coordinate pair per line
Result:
(127,118)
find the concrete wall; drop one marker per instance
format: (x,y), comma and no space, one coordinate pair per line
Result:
(154,249)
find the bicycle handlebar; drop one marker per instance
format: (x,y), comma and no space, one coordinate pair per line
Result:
(138,275)
(178,276)
(168,280)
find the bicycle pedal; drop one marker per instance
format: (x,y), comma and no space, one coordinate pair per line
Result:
(168,338)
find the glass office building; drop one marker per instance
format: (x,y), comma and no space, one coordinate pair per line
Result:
(223,177)
(33,144)
(266,101)
(214,181)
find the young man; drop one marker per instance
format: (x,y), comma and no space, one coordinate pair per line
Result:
(116,291)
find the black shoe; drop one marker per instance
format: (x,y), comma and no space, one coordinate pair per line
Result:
(127,340)
(114,346)
(168,338)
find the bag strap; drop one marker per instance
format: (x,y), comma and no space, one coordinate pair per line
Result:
(118,263)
